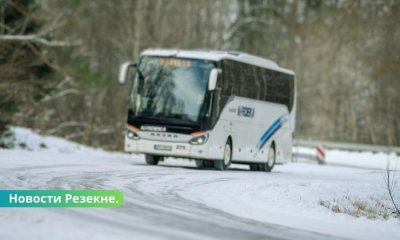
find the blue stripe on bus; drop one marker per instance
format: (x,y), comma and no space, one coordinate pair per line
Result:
(270,132)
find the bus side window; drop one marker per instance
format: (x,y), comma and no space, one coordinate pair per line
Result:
(226,83)
(236,78)
(246,79)
(280,88)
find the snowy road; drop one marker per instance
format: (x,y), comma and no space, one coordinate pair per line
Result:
(155,203)
(178,201)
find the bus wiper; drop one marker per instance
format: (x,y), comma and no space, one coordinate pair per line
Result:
(145,115)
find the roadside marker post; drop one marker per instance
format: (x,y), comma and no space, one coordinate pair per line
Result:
(321,155)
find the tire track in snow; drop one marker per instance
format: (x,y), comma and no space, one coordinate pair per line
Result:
(154,206)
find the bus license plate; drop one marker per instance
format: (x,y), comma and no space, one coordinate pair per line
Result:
(162,147)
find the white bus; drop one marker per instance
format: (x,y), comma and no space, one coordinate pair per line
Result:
(214,107)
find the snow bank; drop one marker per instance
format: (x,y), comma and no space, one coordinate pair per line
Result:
(293,196)
(27,139)
(364,159)
(368,160)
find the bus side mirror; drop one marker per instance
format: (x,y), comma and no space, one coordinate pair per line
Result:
(123,71)
(212,81)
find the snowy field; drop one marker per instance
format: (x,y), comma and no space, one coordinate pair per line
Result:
(177,201)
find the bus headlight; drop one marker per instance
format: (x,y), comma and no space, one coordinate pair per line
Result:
(199,140)
(132,135)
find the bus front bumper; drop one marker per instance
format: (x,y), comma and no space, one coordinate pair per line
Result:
(168,149)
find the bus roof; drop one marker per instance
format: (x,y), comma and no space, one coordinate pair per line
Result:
(217,56)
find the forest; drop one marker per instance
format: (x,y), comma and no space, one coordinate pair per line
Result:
(59,60)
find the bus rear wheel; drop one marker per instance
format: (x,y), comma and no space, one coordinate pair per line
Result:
(152,159)
(269,165)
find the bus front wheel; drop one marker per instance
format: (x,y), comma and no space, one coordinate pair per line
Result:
(152,159)
(204,163)
(226,161)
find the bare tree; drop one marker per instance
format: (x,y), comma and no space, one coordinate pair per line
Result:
(392,187)
(343,52)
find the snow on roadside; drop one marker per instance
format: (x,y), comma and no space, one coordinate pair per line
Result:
(292,194)
(368,160)
(298,195)
(364,159)
(27,139)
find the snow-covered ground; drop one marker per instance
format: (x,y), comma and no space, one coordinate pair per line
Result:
(177,201)
(368,160)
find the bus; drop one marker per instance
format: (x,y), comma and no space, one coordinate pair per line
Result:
(214,107)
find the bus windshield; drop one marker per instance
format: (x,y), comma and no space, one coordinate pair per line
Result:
(171,88)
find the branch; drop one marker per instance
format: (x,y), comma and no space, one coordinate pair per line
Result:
(239,24)
(65,124)
(60,94)
(54,25)
(37,39)
(390,187)
(42,56)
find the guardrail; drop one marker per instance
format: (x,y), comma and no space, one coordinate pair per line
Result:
(308,155)
(346,146)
